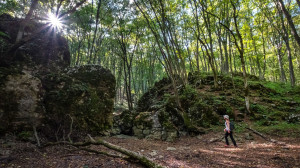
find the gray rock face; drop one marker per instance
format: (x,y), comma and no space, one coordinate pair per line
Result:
(57,99)
(147,125)
(25,93)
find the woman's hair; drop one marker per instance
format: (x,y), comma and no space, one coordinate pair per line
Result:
(226,116)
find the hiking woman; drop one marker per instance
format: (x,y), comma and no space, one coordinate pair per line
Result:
(228,131)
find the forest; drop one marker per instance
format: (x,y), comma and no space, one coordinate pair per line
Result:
(149,83)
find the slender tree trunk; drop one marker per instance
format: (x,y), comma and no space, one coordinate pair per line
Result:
(291,67)
(234,63)
(289,52)
(203,65)
(190,59)
(197,55)
(264,52)
(222,64)
(226,64)
(279,57)
(241,51)
(256,54)
(289,19)
(95,31)
(252,71)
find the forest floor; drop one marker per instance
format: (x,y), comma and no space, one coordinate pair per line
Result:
(185,152)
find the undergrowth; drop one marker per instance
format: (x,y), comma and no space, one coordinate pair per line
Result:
(281,129)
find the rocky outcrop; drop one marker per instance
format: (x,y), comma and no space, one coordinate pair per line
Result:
(157,115)
(38,88)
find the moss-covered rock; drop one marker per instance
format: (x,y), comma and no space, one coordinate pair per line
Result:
(124,122)
(82,94)
(37,89)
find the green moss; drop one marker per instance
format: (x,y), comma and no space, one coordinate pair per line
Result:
(188,96)
(143,119)
(257,108)
(91,108)
(278,87)
(240,127)
(282,129)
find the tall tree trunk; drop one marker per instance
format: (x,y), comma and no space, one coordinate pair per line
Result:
(279,57)
(264,52)
(226,64)
(241,51)
(197,55)
(252,70)
(95,31)
(256,54)
(190,59)
(289,19)
(222,64)
(289,52)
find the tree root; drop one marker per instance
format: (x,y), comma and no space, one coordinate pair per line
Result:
(133,155)
(264,137)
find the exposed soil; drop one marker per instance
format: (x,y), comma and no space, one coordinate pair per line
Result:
(185,152)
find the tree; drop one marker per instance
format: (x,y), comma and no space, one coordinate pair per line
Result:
(281,6)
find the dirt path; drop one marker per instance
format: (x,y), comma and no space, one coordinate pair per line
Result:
(186,152)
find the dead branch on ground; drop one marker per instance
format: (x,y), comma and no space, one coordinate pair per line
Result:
(129,155)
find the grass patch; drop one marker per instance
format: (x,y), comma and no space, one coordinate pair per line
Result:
(281,129)
(278,87)
(240,127)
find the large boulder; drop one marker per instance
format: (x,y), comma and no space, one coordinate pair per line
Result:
(82,95)
(79,98)
(38,88)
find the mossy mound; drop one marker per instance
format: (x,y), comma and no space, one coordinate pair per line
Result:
(204,105)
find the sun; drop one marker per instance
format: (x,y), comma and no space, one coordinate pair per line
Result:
(54,21)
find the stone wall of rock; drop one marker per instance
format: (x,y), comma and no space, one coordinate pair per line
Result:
(39,89)
(21,102)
